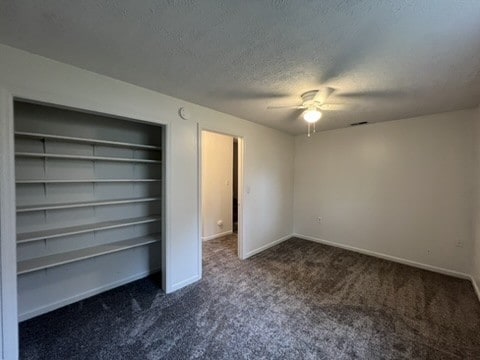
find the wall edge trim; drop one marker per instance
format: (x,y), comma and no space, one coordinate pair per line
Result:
(383,256)
(216,236)
(183,283)
(267,246)
(476,287)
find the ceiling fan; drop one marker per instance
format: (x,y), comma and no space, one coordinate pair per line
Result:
(313,102)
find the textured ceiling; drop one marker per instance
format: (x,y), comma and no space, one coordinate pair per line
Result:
(385,59)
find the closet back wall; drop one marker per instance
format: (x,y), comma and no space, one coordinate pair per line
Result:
(399,188)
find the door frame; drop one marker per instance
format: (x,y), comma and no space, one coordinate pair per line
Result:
(8,247)
(240,186)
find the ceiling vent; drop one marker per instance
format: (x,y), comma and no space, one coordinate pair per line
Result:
(359,123)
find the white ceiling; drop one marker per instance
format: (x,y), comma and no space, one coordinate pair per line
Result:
(386,59)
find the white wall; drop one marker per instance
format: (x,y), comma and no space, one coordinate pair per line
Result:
(400,188)
(268,161)
(476,218)
(217,190)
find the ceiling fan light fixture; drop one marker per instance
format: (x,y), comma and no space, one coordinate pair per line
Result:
(312,115)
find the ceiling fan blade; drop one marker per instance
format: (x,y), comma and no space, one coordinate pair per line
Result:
(247,94)
(333,107)
(286,107)
(323,94)
(374,94)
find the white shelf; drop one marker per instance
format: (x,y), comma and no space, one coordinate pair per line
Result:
(50,261)
(86,140)
(85,157)
(69,181)
(81,229)
(84,204)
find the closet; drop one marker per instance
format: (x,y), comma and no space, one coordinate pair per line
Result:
(89,196)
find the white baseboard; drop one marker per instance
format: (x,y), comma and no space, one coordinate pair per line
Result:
(265,247)
(476,287)
(183,283)
(216,236)
(84,295)
(387,257)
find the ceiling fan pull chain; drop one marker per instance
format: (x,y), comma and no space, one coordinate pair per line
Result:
(308,130)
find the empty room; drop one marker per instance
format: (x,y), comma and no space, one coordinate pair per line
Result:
(240,179)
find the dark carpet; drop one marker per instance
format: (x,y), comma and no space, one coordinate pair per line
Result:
(298,300)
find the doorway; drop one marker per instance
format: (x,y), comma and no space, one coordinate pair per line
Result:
(221,181)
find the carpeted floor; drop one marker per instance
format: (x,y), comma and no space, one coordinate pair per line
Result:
(298,300)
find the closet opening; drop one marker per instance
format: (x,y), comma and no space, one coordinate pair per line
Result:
(89,204)
(221,203)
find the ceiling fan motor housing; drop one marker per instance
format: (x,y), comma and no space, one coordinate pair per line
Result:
(308,97)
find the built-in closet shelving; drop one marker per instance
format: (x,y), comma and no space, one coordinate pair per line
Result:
(89,203)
